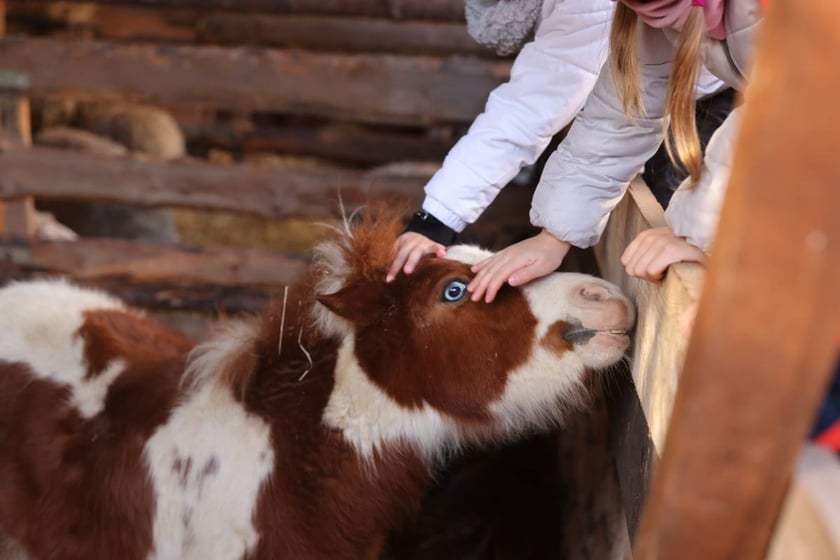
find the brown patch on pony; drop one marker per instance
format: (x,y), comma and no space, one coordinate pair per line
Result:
(78,488)
(111,334)
(554,339)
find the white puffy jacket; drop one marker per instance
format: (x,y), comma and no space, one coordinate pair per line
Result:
(588,174)
(550,81)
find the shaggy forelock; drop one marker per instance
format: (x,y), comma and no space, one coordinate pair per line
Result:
(361,254)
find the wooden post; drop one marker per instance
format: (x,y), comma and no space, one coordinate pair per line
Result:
(765,336)
(15,133)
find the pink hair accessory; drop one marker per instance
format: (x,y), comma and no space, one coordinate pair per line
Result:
(701,3)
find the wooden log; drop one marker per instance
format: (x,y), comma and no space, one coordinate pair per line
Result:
(15,132)
(148,263)
(764,341)
(206,299)
(367,88)
(314,33)
(274,192)
(338,142)
(449,10)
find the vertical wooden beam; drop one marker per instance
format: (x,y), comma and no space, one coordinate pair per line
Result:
(15,133)
(764,338)
(2,33)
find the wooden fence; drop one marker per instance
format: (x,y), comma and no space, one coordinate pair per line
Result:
(707,430)
(363,84)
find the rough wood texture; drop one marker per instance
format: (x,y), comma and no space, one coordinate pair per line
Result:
(764,337)
(135,262)
(311,32)
(267,191)
(367,88)
(15,132)
(661,332)
(338,142)
(641,403)
(396,9)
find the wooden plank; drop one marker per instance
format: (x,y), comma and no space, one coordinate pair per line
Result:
(764,338)
(147,263)
(396,9)
(274,192)
(641,402)
(337,142)
(311,32)
(15,132)
(367,88)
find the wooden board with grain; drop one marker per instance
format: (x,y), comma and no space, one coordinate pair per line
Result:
(408,90)
(270,191)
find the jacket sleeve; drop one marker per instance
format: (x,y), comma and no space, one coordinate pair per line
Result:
(693,213)
(588,174)
(549,83)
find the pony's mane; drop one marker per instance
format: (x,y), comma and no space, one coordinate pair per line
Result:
(361,252)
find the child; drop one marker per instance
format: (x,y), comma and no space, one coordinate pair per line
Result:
(588,174)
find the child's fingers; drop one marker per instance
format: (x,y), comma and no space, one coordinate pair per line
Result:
(400,257)
(416,254)
(634,248)
(641,259)
(527,273)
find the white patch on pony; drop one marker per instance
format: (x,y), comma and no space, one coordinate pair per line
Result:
(369,419)
(208,463)
(467,254)
(539,392)
(39,327)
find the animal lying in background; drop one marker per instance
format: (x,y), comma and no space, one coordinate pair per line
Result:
(308,434)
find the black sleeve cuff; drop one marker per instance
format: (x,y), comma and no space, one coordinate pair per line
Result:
(425,224)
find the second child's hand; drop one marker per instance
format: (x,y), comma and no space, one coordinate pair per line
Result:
(518,264)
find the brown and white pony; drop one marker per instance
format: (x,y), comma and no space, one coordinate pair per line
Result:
(307,434)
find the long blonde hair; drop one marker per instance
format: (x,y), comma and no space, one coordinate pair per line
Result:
(681,139)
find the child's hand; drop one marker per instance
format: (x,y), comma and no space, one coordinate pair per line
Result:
(654,250)
(408,248)
(517,264)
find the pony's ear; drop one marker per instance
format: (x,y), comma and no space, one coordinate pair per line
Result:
(360,303)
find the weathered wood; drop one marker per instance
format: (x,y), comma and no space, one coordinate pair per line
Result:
(764,338)
(15,132)
(206,299)
(134,262)
(2,17)
(662,309)
(367,88)
(396,9)
(277,191)
(338,142)
(641,403)
(314,33)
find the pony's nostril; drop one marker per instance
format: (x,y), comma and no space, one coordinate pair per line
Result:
(594,293)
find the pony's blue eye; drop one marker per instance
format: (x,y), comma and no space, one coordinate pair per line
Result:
(455,291)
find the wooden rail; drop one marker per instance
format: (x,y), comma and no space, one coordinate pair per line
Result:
(272,192)
(199,26)
(452,10)
(642,402)
(391,89)
(157,276)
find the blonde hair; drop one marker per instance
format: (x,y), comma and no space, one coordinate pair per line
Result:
(681,138)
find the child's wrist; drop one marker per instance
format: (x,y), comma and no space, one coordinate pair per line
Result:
(425,224)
